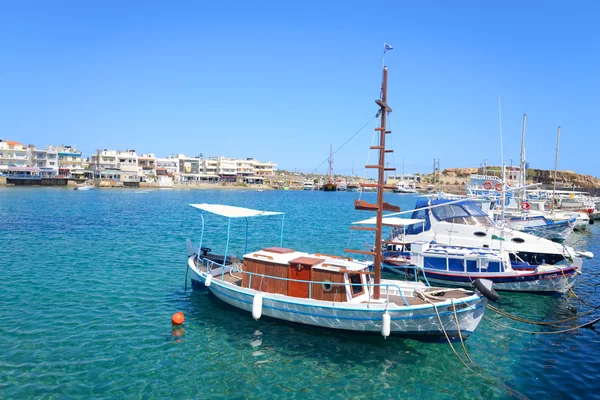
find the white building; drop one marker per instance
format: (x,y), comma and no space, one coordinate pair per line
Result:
(127,160)
(167,166)
(45,159)
(227,169)
(13,154)
(70,164)
(103,160)
(245,168)
(264,168)
(147,166)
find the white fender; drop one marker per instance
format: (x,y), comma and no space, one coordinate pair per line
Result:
(585,254)
(385,325)
(208,280)
(257,306)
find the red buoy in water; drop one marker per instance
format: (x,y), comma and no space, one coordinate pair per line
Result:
(177,318)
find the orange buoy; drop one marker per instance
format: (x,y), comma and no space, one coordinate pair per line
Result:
(177,318)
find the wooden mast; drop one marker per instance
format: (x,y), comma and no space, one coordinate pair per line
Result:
(330,164)
(380,206)
(380,182)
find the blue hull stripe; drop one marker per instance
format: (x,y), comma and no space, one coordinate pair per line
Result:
(496,279)
(442,313)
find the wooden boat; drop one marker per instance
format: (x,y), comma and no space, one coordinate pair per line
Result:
(331,291)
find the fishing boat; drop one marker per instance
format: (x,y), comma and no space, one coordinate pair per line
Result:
(328,291)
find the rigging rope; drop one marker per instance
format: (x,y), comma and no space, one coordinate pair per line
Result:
(327,159)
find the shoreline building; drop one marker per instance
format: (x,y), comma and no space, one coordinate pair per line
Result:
(70,163)
(115,166)
(13,157)
(46,160)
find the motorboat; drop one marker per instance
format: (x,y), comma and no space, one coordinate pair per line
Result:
(461,266)
(463,223)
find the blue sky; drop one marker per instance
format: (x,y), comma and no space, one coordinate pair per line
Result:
(283,80)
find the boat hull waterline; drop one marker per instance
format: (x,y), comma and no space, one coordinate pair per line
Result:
(412,321)
(552,281)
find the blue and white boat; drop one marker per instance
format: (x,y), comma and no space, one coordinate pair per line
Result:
(461,266)
(463,223)
(541,226)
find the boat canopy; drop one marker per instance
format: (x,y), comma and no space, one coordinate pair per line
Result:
(232,211)
(390,221)
(458,212)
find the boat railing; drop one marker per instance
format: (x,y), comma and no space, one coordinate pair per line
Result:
(209,265)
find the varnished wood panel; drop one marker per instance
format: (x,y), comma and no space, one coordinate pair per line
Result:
(299,272)
(265,284)
(337,293)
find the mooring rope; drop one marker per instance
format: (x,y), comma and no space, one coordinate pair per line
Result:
(542,323)
(491,380)
(586,325)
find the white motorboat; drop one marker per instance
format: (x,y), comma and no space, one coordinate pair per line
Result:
(463,223)
(84,187)
(460,266)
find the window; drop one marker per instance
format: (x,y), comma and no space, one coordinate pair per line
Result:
(355,281)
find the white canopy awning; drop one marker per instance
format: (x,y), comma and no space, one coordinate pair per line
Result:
(390,221)
(233,212)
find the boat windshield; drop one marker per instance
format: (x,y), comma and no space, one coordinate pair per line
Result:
(467,213)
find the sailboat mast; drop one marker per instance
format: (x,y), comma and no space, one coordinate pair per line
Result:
(330,163)
(555,168)
(381,183)
(522,173)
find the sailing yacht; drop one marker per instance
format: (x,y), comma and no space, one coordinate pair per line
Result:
(331,291)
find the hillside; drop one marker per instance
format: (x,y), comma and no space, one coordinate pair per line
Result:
(546,177)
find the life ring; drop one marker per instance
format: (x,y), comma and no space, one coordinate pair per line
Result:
(485,287)
(499,187)
(525,205)
(487,185)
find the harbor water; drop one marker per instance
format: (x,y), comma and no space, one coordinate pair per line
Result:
(89,281)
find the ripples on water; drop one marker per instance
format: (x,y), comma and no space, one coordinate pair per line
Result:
(89,281)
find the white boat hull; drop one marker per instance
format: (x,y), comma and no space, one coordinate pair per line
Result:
(554,282)
(412,321)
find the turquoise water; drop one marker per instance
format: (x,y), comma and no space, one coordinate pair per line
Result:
(89,281)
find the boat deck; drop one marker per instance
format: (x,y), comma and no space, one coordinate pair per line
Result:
(398,300)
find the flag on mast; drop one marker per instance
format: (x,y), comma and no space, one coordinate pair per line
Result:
(387,47)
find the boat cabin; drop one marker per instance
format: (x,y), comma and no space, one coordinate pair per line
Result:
(466,212)
(456,259)
(289,272)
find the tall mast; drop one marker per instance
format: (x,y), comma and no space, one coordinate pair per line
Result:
(522,173)
(555,168)
(381,183)
(330,163)
(380,206)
